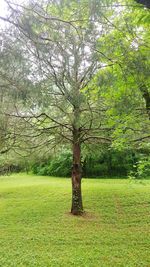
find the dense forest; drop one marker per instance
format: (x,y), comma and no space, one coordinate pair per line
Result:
(75,90)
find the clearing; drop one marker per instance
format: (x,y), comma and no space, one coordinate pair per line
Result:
(37,230)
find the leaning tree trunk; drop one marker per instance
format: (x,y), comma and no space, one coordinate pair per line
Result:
(77,207)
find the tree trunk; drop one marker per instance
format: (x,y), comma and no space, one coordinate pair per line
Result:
(77,207)
(146,96)
(144,2)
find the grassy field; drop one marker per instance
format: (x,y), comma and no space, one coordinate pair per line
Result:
(36,228)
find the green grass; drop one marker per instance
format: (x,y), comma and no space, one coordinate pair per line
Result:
(36,228)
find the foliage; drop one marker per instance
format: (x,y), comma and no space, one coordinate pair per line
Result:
(95,163)
(141,169)
(56,166)
(108,162)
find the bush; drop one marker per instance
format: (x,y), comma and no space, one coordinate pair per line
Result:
(141,169)
(58,166)
(109,163)
(9,168)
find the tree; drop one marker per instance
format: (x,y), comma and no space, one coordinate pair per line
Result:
(61,53)
(128,80)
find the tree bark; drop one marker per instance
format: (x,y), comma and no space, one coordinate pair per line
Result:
(146,96)
(77,206)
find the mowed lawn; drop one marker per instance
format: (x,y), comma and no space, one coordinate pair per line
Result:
(36,228)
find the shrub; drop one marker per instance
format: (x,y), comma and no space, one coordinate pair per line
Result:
(58,166)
